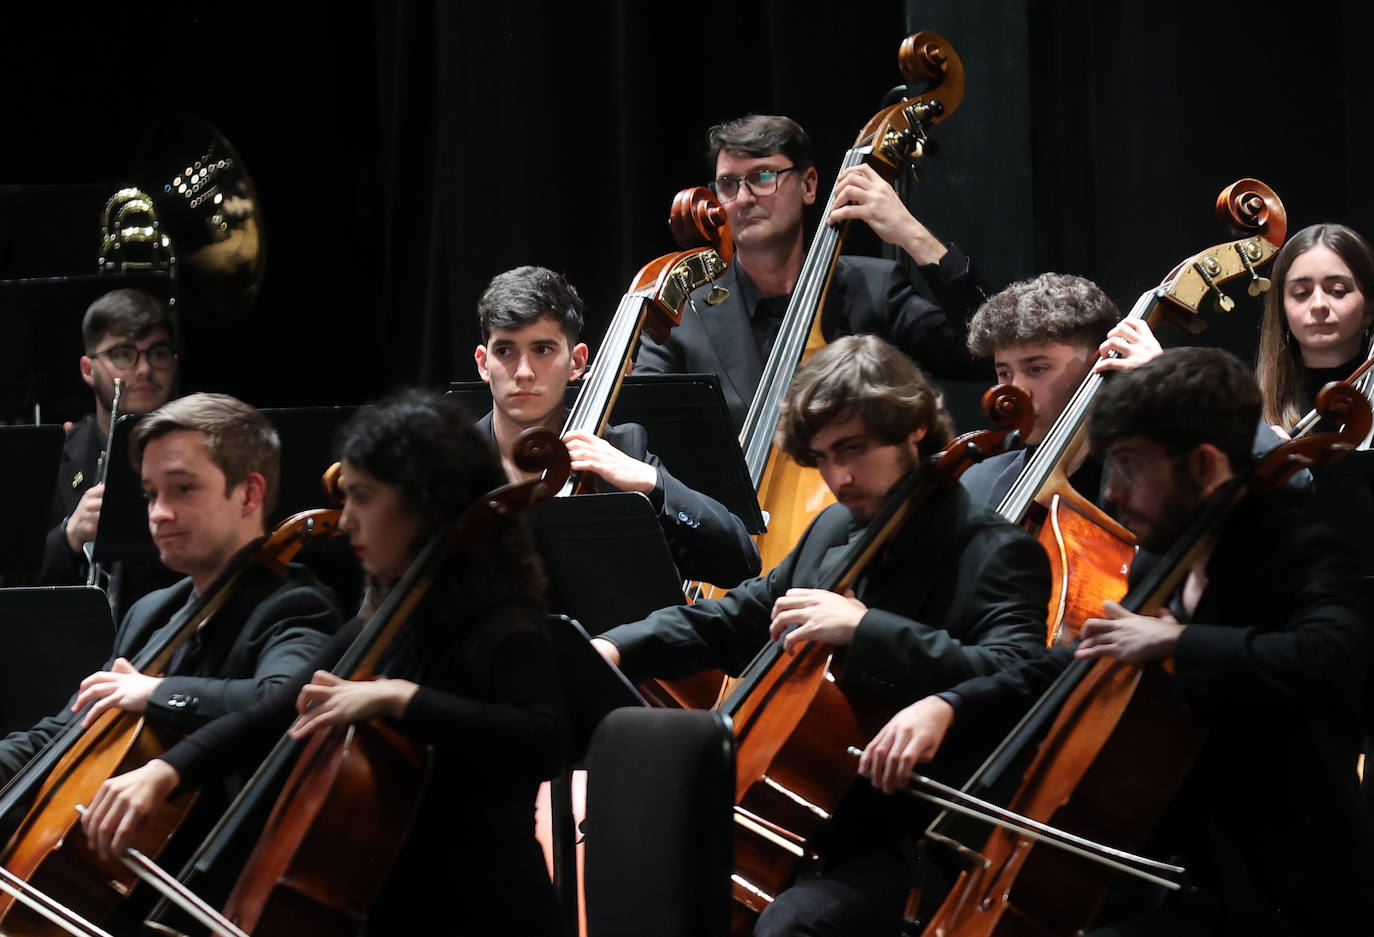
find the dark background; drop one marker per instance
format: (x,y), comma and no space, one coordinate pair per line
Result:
(406,152)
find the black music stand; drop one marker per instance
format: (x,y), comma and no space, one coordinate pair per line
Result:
(607,558)
(688,427)
(123,532)
(57,636)
(308,437)
(29,456)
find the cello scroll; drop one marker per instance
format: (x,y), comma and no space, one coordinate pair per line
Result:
(1339,404)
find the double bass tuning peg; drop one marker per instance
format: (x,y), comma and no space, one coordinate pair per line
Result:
(1248,252)
(1208,268)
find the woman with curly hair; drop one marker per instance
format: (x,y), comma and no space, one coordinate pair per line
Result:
(472,677)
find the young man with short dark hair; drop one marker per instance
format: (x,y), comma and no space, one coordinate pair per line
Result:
(765,177)
(531,320)
(956,593)
(127,335)
(1269,648)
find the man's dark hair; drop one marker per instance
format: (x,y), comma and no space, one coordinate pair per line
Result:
(525,295)
(1180,400)
(1053,307)
(129,314)
(865,376)
(758,135)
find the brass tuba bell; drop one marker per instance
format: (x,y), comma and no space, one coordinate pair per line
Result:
(193,191)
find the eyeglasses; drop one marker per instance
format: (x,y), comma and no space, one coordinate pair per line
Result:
(1127,467)
(760,182)
(124,357)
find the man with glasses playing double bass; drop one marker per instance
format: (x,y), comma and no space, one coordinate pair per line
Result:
(765,176)
(127,334)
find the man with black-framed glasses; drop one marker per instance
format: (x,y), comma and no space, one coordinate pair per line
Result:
(765,176)
(127,335)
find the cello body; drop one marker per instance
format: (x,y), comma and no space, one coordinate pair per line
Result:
(295,885)
(1086,779)
(49,850)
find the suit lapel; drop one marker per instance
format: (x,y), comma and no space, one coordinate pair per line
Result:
(731,337)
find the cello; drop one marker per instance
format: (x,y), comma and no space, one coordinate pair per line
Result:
(1090,553)
(792,714)
(1117,748)
(351,785)
(45,852)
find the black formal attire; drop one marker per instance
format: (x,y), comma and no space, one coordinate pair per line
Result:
(957,592)
(470,864)
(708,543)
(76,472)
(1269,821)
(867,295)
(262,635)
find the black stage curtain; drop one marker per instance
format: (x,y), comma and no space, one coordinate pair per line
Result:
(405,152)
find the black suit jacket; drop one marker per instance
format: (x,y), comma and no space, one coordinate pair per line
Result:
(1273,664)
(263,634)
(867,295)
(707,541)
(76,473)
(958,592)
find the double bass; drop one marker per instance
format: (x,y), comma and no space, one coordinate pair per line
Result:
(791,495)
(1090,553)
(46,851)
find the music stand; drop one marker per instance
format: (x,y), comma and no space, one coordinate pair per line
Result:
(29,456)
(688,426)
(607,559)
(62,634)
(122,535)
(689,429)
(308,436)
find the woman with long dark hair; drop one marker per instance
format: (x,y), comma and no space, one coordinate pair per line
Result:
(1317,318)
